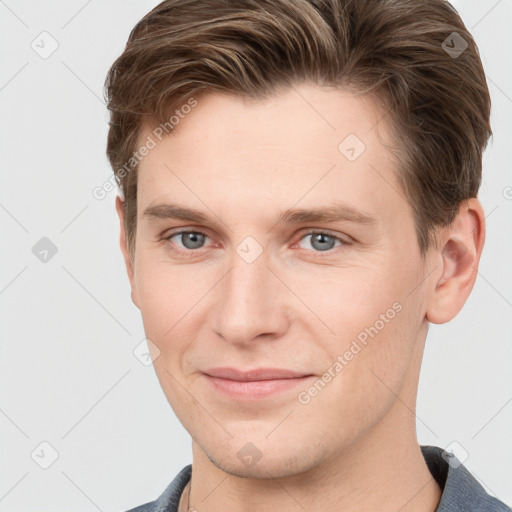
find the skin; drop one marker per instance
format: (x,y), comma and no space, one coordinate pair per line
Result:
(353,447)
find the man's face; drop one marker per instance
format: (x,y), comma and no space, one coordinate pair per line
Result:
(258,291)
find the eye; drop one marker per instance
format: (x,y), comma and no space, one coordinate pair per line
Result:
(190,240)
(322,241)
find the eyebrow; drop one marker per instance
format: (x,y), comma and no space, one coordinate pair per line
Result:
(333,213)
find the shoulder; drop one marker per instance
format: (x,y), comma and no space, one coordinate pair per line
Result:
(169,499)
(461,492)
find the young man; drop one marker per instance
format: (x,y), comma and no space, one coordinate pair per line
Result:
(298,202)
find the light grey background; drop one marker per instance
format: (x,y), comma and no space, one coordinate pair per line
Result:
(68,327)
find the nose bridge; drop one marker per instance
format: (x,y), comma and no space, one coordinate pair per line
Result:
(248,304)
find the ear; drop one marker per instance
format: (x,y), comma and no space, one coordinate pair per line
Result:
(459,250)
(124,249)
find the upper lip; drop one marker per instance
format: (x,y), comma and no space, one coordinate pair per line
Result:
(255,374)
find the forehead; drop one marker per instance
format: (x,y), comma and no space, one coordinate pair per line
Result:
(323,116)
(307,141)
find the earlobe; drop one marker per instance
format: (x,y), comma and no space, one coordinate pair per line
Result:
(124,250)
(460,248)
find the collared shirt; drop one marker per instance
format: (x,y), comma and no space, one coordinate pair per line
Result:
(460,490)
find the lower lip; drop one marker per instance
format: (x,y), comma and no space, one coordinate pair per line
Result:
(255,390)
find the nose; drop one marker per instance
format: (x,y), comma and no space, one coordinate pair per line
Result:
(250,303)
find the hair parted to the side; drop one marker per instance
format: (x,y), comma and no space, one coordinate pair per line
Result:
(439,105)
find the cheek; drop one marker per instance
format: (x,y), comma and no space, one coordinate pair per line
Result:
(376,320)
(356,303)
(167,292)
(372,372)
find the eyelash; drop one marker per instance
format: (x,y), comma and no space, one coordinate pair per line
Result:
(304,235)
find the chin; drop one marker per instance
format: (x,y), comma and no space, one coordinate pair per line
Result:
(270,462)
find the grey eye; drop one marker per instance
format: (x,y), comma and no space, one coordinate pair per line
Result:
(191,239)
(321,241)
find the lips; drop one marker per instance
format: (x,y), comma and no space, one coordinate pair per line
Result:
(254,375)
(254,385)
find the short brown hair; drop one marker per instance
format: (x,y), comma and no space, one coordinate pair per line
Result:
(398,50)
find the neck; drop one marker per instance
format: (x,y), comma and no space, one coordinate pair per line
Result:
(378,476)
(383,469)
